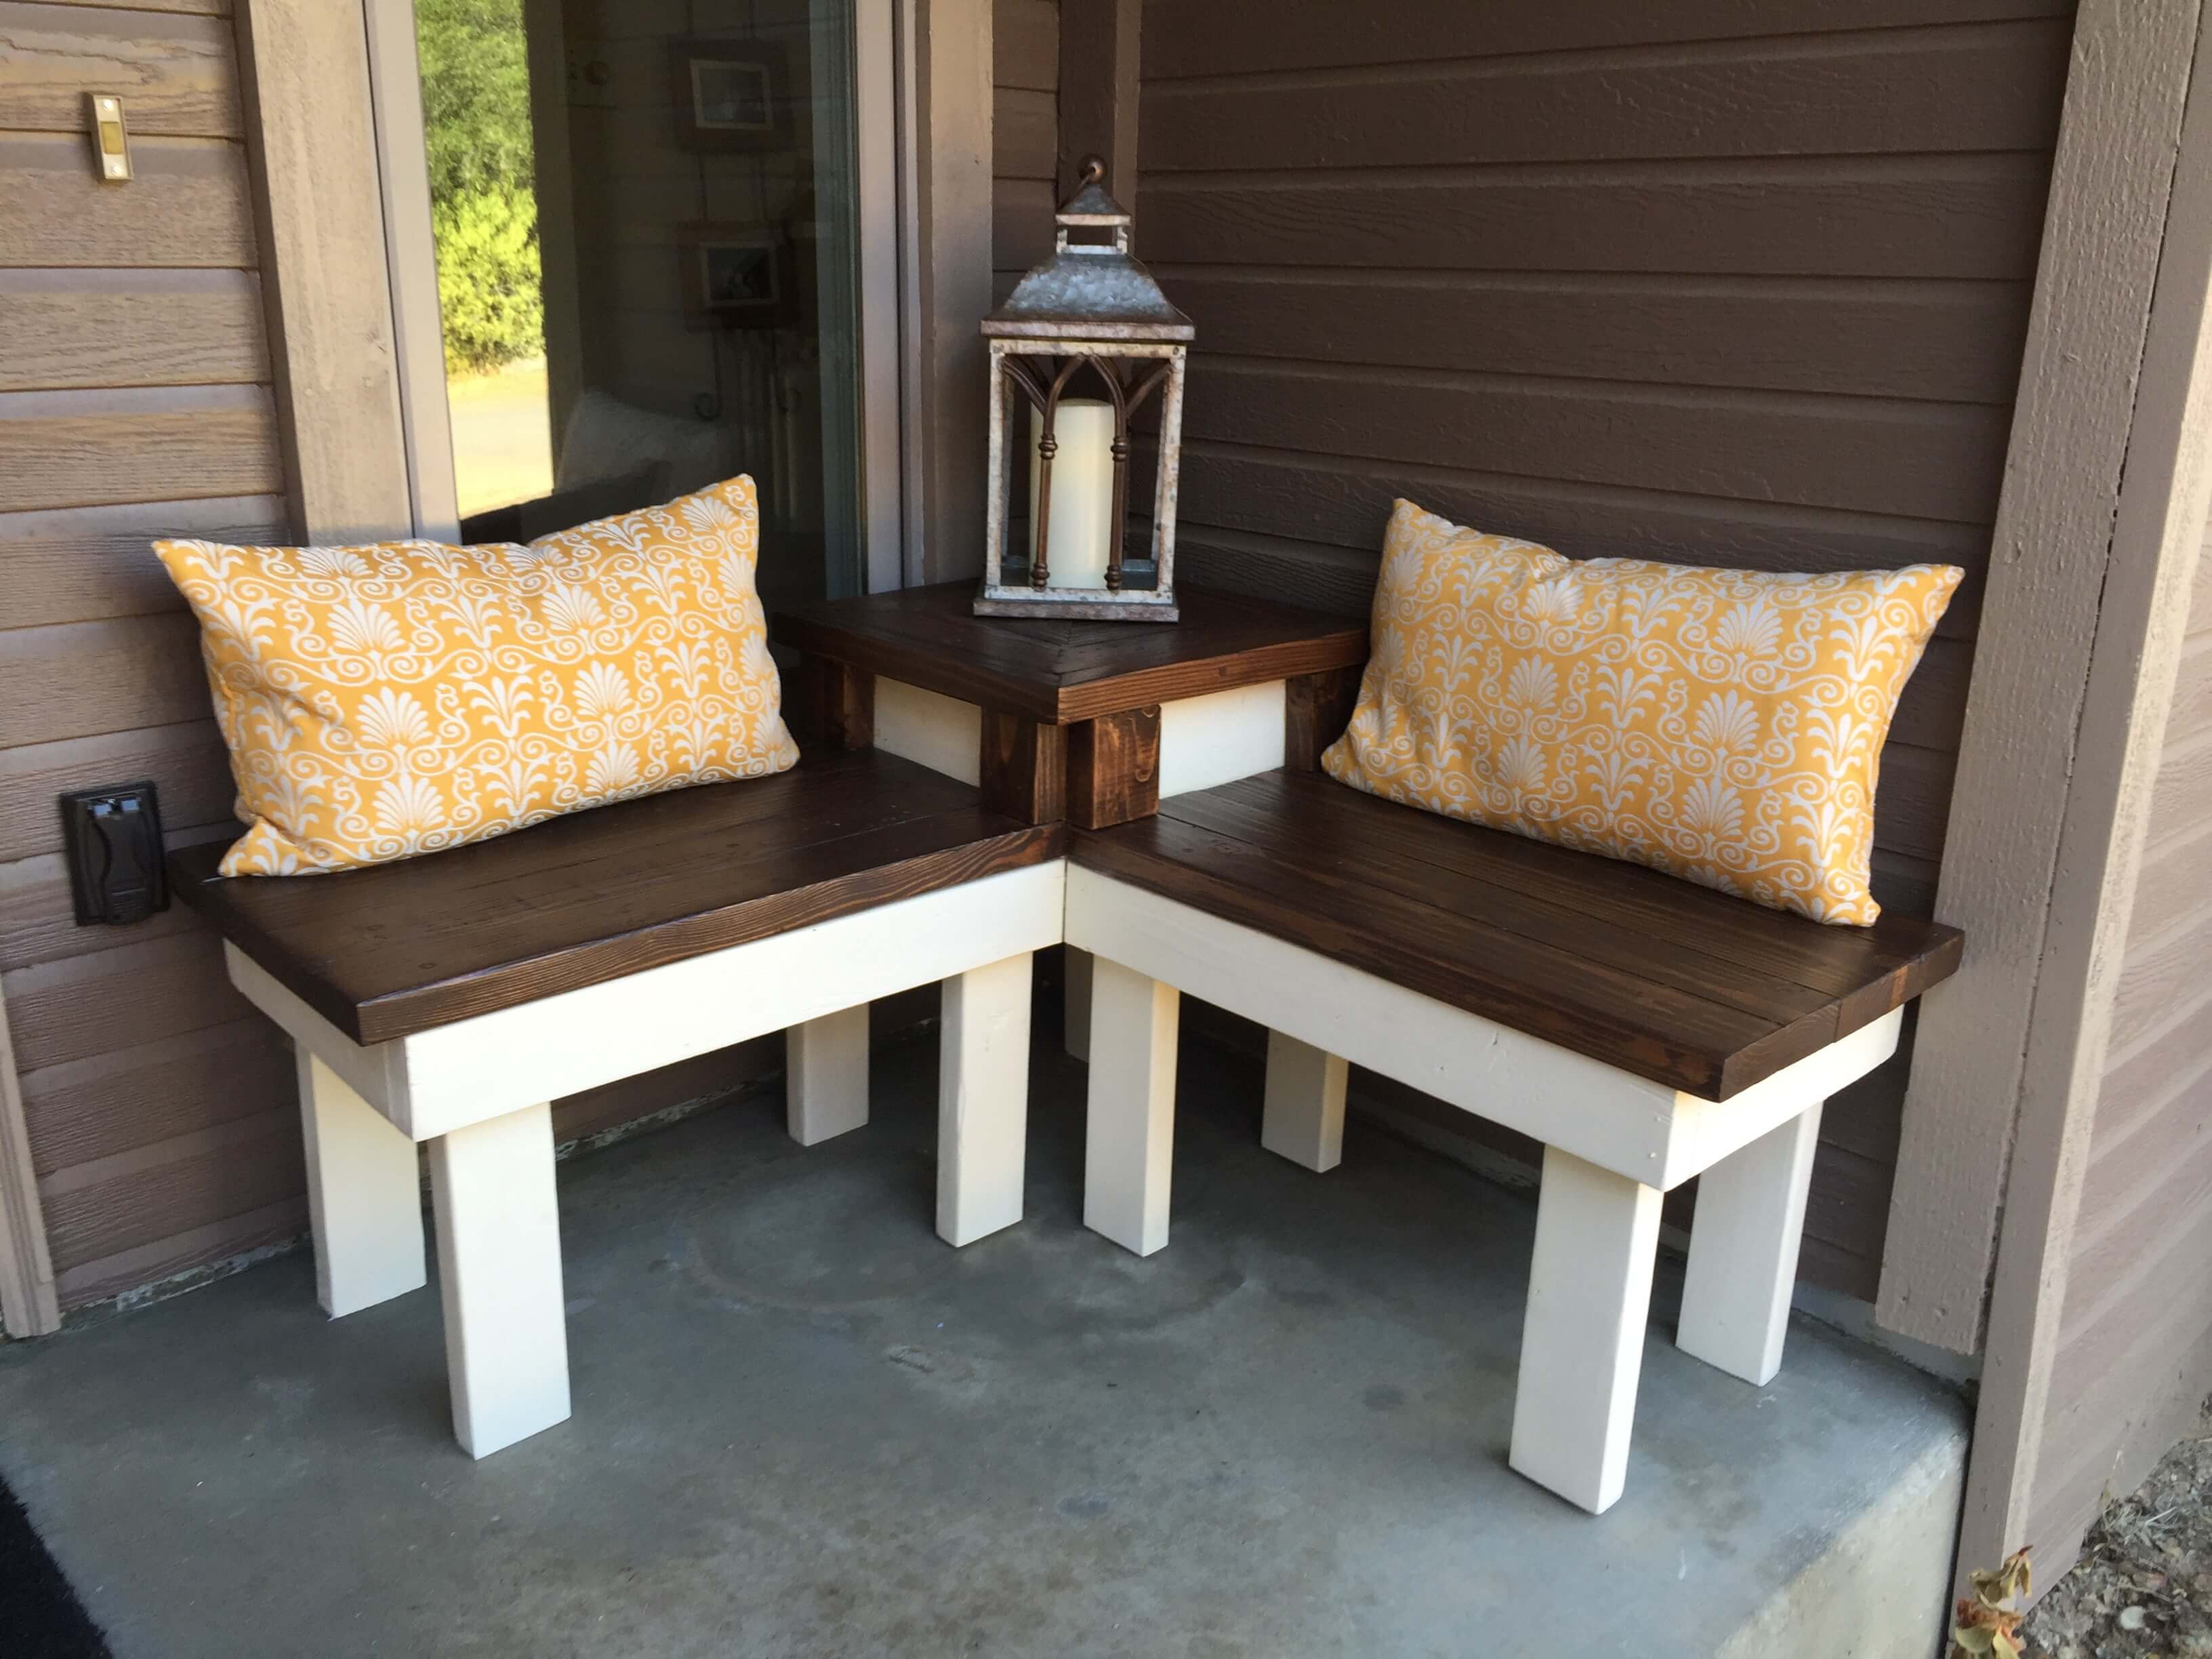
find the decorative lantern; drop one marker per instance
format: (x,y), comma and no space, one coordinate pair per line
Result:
(1087,340)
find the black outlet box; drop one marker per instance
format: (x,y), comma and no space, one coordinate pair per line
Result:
(114,838)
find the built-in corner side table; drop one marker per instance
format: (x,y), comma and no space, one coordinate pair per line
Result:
(1090,722)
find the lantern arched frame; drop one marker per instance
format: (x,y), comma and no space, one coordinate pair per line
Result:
(1091,315)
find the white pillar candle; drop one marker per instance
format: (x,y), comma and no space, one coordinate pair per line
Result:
(1082,492)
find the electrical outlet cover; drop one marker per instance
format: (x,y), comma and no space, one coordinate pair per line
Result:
(113,840)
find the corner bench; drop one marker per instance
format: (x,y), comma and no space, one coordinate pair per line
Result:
(449,1000)
(1646,1030)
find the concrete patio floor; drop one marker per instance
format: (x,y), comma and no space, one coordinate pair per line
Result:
(805,1426)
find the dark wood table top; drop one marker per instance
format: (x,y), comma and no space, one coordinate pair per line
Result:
(1061,672)
(1669,980)
(384,953)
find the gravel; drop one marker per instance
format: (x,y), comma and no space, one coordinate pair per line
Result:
(2144,1585)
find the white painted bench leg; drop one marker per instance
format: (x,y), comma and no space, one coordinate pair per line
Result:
(364,1196)
(1303,1118)
(1744,1251)
(983,1100)
(825,1076)
(1582,1347)
(499,1270)
(1129,1138)
(1076,1004)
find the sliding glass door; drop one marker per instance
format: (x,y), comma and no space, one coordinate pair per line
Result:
(646,220)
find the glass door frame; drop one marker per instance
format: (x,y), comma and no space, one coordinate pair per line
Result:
(880,48)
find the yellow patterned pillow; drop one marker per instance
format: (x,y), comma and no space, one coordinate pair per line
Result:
(385,700)
(1724,726)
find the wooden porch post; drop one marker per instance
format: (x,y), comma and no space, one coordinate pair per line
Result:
(311,133)
(2097,538)
(1098,87)
(947,232)
(2053,550)
(28,1303)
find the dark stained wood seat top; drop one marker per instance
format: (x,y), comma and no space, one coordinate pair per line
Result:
(1673,981)
(387,952)
(1061,672)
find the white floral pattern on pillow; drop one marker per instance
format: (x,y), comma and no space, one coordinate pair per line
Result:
(387,700)
(1724,725)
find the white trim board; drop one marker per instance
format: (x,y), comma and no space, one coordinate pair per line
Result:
(930,729)
(1208,741)
(451,1076)
(1643,1130)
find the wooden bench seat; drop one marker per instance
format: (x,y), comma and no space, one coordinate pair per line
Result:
(1645,1029)
(449,999)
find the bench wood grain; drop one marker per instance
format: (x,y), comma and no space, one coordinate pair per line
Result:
(390,952)
(1673,982)
(1061,672)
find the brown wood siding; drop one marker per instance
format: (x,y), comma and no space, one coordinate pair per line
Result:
(1025,134)
(2134,1364)
(135,401)
(1724,283)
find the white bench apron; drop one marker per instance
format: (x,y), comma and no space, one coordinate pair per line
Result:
(450,1000)
(1228,895)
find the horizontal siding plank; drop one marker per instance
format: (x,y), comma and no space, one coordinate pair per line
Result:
(1903,884)
(2113,1414)
(612,1105)
(38,920)
(1958,216)
(82,564)
(2107,1441)
(2188,716)
(187,205)
(1025,44)
(1931,713)
(228,1169)
(2141,1078)
(187,762)
(2167,957)
(2200,592)
(176,73)
(2182,794)
(1912,810)
(1848,1202)
(1025,134)
(2129,1157)
(85,1006)
(1021,223)
(1258,501)
(1956,342)
(79,679)
(2122,1271)
(130,328)
(210,1246)
(1867,1118)
(66,449)
(1847,1269)
(1241,37)
(2176,871)
(1981,87)
(1923,460)
(109,1103)
(195,7)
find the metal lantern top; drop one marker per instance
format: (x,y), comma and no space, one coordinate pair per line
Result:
(1090,291)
